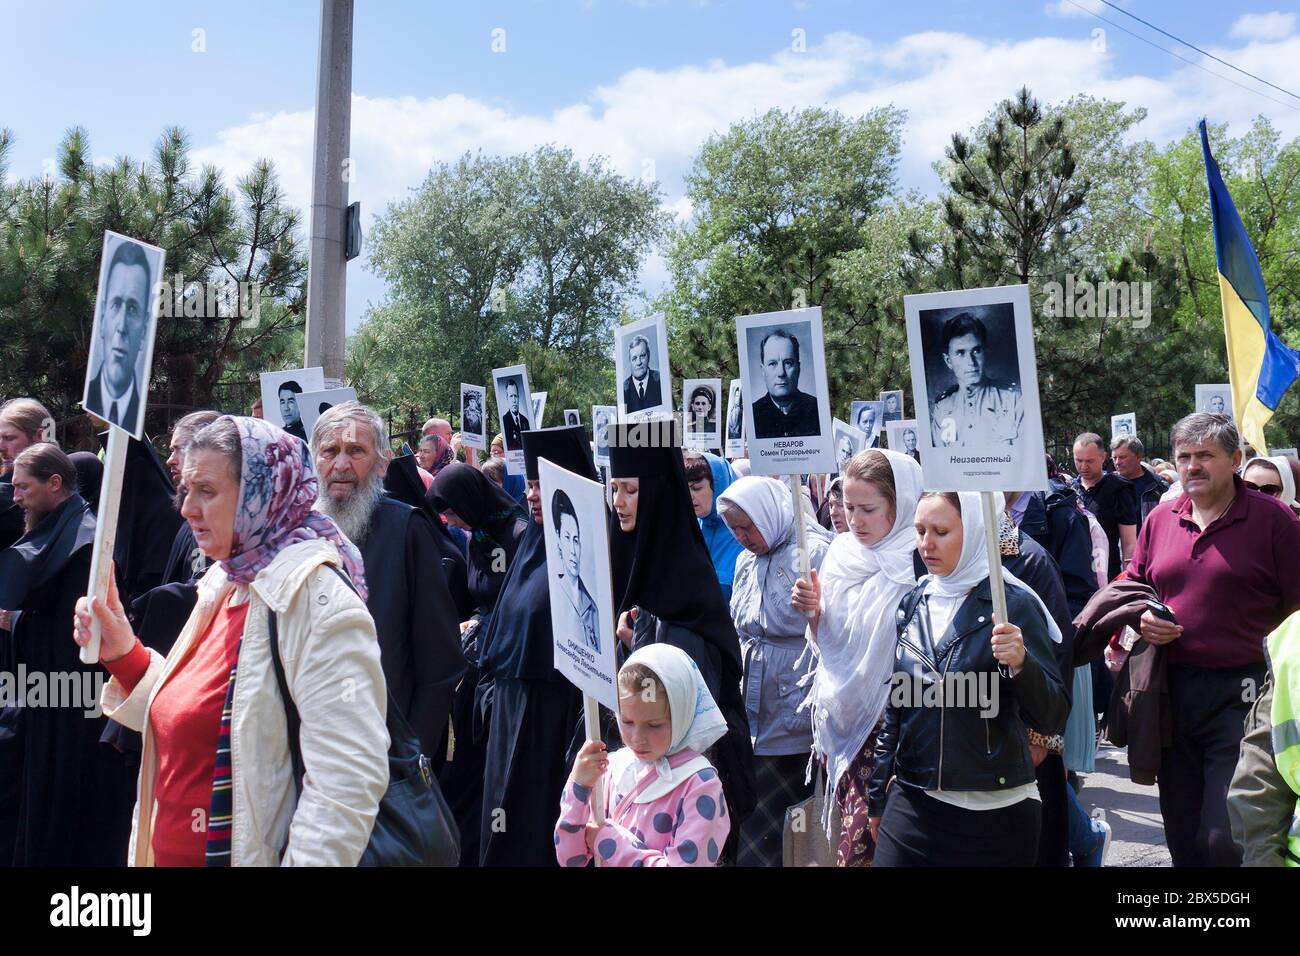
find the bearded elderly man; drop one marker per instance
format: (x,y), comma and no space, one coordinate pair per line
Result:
(415,617)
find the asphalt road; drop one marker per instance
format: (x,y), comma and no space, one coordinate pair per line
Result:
(1132,810)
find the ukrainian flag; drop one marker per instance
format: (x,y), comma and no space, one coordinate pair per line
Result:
(1260,367)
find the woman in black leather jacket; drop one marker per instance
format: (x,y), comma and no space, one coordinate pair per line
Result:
(953,782)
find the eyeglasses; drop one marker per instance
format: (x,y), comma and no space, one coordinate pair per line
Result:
(1274,491)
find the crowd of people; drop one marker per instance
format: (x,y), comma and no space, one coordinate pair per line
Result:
(830,653)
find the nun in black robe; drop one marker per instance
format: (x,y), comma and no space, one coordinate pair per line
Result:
(497,524)
(662,569)
(531,708)
(65,798)
(403,483)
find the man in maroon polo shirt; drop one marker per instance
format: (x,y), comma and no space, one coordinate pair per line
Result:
(1226,561)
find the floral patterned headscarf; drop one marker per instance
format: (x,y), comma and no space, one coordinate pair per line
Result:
(277,488)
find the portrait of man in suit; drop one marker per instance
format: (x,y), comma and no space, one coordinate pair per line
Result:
(641,389)
(783,411)
(513,424)
(290,414)
(114,393)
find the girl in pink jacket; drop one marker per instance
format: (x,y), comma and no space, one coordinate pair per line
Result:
(662,797)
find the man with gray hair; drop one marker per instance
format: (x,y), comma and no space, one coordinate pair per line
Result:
(1126,452)
(641,389)
(1222,559)
(415,617)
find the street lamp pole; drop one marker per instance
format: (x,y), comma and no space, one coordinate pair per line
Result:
(326,334)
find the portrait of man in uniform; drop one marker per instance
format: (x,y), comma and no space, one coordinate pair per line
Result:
(585,616)
(783,411)
(976,410)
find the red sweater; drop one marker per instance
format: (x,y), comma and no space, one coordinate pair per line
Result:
(185,718)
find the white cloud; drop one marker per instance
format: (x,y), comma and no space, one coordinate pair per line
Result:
(1264,26)
(656,119)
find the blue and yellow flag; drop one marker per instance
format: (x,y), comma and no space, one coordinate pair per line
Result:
(1260,366)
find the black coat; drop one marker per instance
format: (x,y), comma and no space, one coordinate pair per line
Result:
(953,747)
(802,420)
(1055,522)
(415,618)
(65,798)
(11,516)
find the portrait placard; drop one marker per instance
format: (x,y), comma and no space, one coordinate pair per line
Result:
(1215,398)
(313,405)
(473,416)
(904,437)
(892,405)
(787,408)
(281,392)
(122,333)
(1125,425)
(510,386)
(868,418)
(645,388)
(603,417)
(848,442)
(701,402)
(735,444)
(975,386)
(577,566)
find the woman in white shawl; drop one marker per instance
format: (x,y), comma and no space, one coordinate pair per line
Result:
(867,571)
(760,514)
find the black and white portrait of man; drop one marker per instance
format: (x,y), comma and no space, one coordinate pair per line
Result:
(122,338)
(287,395)
(982,406)
(585,616)
(783,410)
(641,368)
(975,390)
(1215,399)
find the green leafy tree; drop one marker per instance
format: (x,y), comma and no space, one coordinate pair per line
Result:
(496,261)
(207,346)
(796,209)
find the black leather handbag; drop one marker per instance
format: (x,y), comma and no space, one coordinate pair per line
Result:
(414,826)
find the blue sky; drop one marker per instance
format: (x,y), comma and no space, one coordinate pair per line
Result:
(643,83)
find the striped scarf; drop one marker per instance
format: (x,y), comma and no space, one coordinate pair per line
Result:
(221,809)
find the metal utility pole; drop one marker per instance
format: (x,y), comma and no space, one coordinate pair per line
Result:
(327,260)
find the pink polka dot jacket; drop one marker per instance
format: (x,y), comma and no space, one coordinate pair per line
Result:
(685,826)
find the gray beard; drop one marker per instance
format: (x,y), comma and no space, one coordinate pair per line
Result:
(353,515)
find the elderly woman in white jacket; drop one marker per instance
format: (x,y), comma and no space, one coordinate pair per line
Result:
(216,781)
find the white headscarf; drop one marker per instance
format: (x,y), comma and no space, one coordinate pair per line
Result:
(973,564)
(1283,467)
(861,591)
(767,503)
(697,722)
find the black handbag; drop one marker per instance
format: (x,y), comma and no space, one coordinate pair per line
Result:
(414,826)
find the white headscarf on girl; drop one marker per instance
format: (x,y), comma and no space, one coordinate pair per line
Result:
(861,590)
(696,720)
(973,564)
